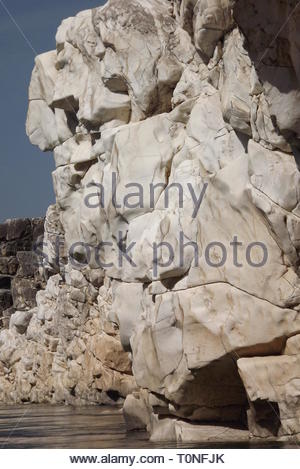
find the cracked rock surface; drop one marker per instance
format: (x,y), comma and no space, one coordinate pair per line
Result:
(174,124)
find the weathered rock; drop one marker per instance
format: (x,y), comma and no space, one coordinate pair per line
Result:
(62,354)
(20,277)
(28,263)
(292,346)
(5,300)
(18,229)
(180,431)
(8,265)
(272,385)
(175,233)
(5,282)
(6,315)
(24,293)
(137,411)
(20,320)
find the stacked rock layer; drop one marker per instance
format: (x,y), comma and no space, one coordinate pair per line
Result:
(175,127)
(21,243)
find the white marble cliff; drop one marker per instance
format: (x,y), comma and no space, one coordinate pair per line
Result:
(175,125)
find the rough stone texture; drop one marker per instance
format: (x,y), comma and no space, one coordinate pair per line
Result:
(64,350)
(57,345)
(202,94)
(21,243)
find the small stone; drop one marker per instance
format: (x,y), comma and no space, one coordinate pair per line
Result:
(20,320)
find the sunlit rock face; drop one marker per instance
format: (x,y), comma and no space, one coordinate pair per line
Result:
(175,132)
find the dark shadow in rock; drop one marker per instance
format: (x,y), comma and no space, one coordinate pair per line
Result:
(267,415)
(215,394)
(296,153)
(269,44)
(244,139)
(72,121)
(113,395)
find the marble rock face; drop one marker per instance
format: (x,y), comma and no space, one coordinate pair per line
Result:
(175,131)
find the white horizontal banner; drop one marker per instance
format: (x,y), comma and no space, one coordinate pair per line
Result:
(163,458)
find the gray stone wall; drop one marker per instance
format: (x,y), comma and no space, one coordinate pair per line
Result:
(20,278)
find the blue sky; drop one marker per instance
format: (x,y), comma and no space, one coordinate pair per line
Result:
(25,172)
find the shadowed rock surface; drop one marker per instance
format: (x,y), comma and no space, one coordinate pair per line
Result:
(21,244)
